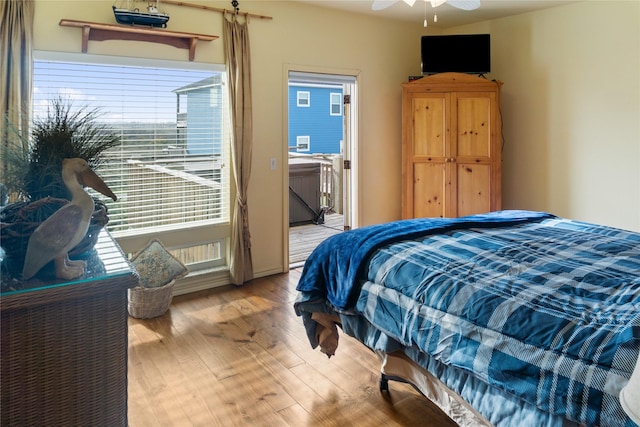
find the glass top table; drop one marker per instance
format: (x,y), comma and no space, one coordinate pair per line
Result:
(105,263)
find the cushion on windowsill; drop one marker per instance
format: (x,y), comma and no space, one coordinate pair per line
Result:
(156,266)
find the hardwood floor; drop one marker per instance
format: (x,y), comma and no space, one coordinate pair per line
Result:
(303,239)
(239,356)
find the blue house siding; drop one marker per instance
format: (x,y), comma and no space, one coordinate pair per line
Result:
(325,131)
(204,116)
(202,120)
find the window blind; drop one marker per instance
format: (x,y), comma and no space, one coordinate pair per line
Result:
(171,167)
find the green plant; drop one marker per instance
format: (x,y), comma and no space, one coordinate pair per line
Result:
(34,168)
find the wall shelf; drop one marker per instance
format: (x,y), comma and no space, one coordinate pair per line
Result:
(99,32)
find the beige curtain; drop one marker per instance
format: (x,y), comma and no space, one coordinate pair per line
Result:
(236,42)
(16,73)
(16,68)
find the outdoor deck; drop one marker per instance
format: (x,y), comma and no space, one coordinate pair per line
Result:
(304,238)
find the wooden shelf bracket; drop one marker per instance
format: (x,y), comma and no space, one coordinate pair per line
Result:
(99,32)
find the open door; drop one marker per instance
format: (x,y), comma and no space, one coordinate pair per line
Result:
(321,150)
(349,163)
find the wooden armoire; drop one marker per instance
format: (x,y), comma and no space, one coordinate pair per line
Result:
(451,146)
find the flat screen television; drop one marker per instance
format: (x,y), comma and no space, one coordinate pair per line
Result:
(462,53)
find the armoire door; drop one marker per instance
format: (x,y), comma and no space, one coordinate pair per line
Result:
(472,152)
(426,156)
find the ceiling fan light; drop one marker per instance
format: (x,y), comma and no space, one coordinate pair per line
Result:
(436,3)
(409,2)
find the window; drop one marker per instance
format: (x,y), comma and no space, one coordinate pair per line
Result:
(336,104)
(170,172)
(303,143)
(304,98)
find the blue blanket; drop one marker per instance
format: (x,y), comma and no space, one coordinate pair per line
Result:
(332,269)
(546,309)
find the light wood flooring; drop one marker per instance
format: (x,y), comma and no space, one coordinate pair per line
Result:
(303,239)
(239,356)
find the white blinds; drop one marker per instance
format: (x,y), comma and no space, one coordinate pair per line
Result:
(171,169)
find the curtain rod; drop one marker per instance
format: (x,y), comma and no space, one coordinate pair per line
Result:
(214,9)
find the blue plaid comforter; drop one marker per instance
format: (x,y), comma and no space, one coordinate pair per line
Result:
(544,308)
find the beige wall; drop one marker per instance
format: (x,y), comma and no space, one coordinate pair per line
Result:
(571,109)
(571,101)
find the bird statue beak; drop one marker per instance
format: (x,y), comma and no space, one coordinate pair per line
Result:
(91,179)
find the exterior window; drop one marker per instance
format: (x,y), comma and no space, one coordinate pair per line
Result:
(304,99)
(336,104)
(303,143)
(170,172)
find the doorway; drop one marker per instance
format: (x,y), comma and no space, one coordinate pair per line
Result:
(321,146)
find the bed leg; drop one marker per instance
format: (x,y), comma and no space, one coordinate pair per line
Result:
(384,383)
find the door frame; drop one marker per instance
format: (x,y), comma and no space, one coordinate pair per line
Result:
(350,189)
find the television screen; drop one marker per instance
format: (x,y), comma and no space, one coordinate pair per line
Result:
(462,53)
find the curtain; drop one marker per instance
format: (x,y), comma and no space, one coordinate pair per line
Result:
(16,46)
(16,69)
(236,43)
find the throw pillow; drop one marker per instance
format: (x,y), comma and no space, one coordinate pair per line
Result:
(156,266)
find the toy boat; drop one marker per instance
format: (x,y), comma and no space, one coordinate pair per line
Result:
(133,16)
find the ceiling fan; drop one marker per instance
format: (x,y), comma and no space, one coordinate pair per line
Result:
(460,4)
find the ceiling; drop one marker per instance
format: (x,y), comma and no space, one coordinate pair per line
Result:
(448,16)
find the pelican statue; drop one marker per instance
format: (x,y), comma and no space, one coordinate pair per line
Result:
(63,230)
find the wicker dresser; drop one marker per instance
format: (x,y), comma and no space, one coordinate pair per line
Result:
(64,346)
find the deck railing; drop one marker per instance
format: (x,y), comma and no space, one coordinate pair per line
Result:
(163,196)
(154,200)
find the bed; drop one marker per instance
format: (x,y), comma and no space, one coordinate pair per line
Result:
(510,318)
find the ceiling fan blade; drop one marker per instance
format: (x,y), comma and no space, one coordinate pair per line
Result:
(465,4)
(382,4)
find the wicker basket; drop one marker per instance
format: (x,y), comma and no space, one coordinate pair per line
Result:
(146,303)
